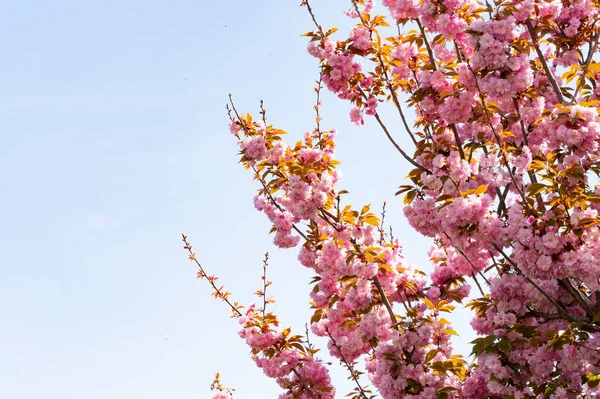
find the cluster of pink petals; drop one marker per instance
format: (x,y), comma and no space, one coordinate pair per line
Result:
(222,395)
(295,371)
(484,87)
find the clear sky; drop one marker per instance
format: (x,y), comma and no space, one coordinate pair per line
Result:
(114,141)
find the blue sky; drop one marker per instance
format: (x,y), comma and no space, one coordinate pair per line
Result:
(114,142)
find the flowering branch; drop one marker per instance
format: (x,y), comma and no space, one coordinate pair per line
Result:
(549,74)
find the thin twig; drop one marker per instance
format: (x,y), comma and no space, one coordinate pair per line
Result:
(586,65)
(531,175)
(523,130)
(458,142)
(265,284)
(219,293)
(312,15)
(222,295)
(350,368)
(400,150)
(549,74)
(477,282)
(381,224)
(576,294)
(317,107)
(429,50)
(388,81)
(385,301)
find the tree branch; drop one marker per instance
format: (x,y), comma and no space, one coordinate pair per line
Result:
(549,74)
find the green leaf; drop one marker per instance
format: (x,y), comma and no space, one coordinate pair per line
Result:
(536,188)
(504,345)
(593,380)
(430,355)
(449,331)
(481,189)
(331,31)
(410,196)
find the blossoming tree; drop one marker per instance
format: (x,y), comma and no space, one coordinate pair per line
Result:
(505,151)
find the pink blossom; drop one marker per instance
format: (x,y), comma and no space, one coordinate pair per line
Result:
(356,117)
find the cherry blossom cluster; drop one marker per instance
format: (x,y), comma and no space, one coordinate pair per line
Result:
(283,356)
(505,157)
(220,391)
(360,271)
